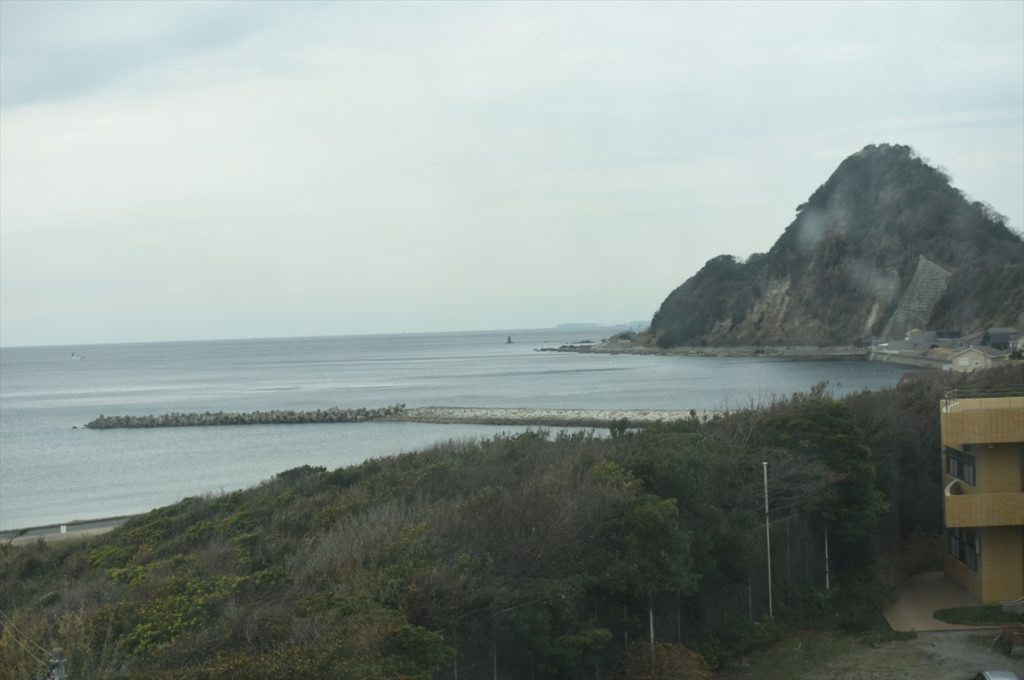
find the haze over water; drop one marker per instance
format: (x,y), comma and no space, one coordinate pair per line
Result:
(51,472)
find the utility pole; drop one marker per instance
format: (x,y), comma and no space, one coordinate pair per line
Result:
(768,539)
(650,613)
(57,671)
(827,584)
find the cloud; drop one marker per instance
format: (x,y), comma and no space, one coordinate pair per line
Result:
(57,50)
(347,164)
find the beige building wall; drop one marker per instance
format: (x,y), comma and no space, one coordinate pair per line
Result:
(994,506)
(1001,470)
(1002,560)
(978,421)
(959,573)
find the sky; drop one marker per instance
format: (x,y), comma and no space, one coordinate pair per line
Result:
(199,170)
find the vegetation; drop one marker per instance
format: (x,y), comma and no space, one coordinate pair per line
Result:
(539,556)
(837,273)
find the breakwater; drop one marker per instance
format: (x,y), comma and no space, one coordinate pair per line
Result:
(447,415)
(207,419)
(909,358)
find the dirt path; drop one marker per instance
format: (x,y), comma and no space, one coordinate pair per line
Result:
(930,656)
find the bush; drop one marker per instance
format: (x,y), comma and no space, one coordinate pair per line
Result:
(661,661)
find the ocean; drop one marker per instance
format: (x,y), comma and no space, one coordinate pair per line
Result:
(53,470)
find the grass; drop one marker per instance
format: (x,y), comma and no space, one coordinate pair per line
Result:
(991,615)
(797,653)
(803,651)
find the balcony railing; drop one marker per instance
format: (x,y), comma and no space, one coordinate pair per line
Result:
(982,509)
(986,392)
(991,420)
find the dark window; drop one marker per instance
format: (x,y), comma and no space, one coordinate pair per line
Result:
(960,464)
(964,547)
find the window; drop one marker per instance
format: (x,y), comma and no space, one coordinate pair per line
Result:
(960,464)
(964,546)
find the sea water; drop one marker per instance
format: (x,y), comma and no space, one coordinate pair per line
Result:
(54,470)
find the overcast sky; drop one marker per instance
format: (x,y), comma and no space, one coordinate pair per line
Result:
(197,170)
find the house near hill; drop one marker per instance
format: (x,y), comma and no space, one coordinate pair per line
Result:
(976,358)
(1002,338)
(925,339)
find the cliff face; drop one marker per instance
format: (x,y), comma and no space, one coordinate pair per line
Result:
(883,246)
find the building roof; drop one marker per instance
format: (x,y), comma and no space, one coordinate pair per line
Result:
(984,349)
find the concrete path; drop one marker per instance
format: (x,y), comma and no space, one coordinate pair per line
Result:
(918,599)
(549,417)
(57,532)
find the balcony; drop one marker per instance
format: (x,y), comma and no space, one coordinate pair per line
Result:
(982,509)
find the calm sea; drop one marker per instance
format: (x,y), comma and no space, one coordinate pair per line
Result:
(51,472)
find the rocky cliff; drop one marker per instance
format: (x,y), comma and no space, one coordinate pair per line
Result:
(885,245)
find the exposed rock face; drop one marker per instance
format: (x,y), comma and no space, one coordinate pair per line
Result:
(919,299)
(885,245)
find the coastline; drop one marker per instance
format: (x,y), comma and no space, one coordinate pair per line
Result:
(796,352)
(169,465)
(908,358)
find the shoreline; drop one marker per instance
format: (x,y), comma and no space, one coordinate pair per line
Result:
(441,415)
(909,358)
(804,352)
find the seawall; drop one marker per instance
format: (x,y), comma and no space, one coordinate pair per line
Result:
(65,530)
(794,352)
(914,360)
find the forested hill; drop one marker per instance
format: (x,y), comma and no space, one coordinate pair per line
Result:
(885,245)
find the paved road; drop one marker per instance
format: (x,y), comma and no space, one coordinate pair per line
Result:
(68,530)
(920,596)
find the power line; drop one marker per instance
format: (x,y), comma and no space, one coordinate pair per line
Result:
(27,650)
(10,624)
(56,661)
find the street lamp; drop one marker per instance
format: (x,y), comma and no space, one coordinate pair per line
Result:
(768,539)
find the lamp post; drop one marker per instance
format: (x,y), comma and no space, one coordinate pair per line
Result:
(768,539)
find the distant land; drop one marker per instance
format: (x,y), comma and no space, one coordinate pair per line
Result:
(594,324)
(884,246)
